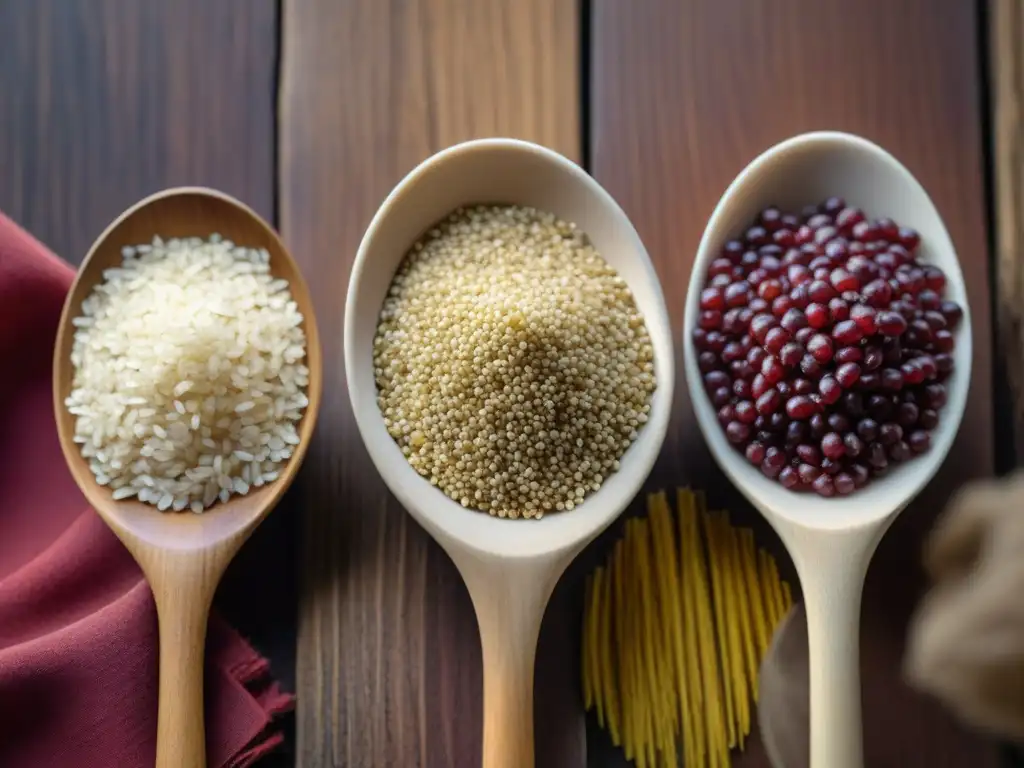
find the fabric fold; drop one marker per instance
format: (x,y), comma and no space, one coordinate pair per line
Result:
(78,626)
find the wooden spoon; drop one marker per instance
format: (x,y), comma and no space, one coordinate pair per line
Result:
(831,540)
(510,566)
(182,554)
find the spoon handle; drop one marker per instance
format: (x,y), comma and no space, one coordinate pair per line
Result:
(180,734)
(832,568)
(508,656)
(509,599)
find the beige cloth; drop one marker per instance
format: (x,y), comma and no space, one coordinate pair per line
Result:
(966,641)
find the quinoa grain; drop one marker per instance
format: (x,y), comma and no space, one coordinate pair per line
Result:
(512,365)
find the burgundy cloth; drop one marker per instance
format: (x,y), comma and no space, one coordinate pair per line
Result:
(78,628)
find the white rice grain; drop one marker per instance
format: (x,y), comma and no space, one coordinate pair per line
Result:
(188,358)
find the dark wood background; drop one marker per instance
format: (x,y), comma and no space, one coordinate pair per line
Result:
(311,110)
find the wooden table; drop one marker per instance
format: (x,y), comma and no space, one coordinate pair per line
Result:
(311,110)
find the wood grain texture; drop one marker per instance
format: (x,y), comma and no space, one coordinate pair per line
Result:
(684,94)
(1006,55)
(103,102)
(389,653)
(183,556)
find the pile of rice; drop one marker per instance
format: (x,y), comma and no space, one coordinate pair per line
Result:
(189,377)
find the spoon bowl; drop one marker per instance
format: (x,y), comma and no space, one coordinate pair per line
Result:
(182,555)
(510,566)
(831,540)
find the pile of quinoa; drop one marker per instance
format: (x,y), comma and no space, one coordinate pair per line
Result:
(512,365)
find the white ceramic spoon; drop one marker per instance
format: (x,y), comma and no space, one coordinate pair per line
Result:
(510,566)
(832,540)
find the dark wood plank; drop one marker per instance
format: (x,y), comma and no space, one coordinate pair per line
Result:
(1006,57)
(684,94)
(105,101)
(1006,100)
(389,659)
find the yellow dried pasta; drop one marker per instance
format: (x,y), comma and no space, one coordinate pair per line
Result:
(676,622)
(595,682)
(608,689)
(718,592)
